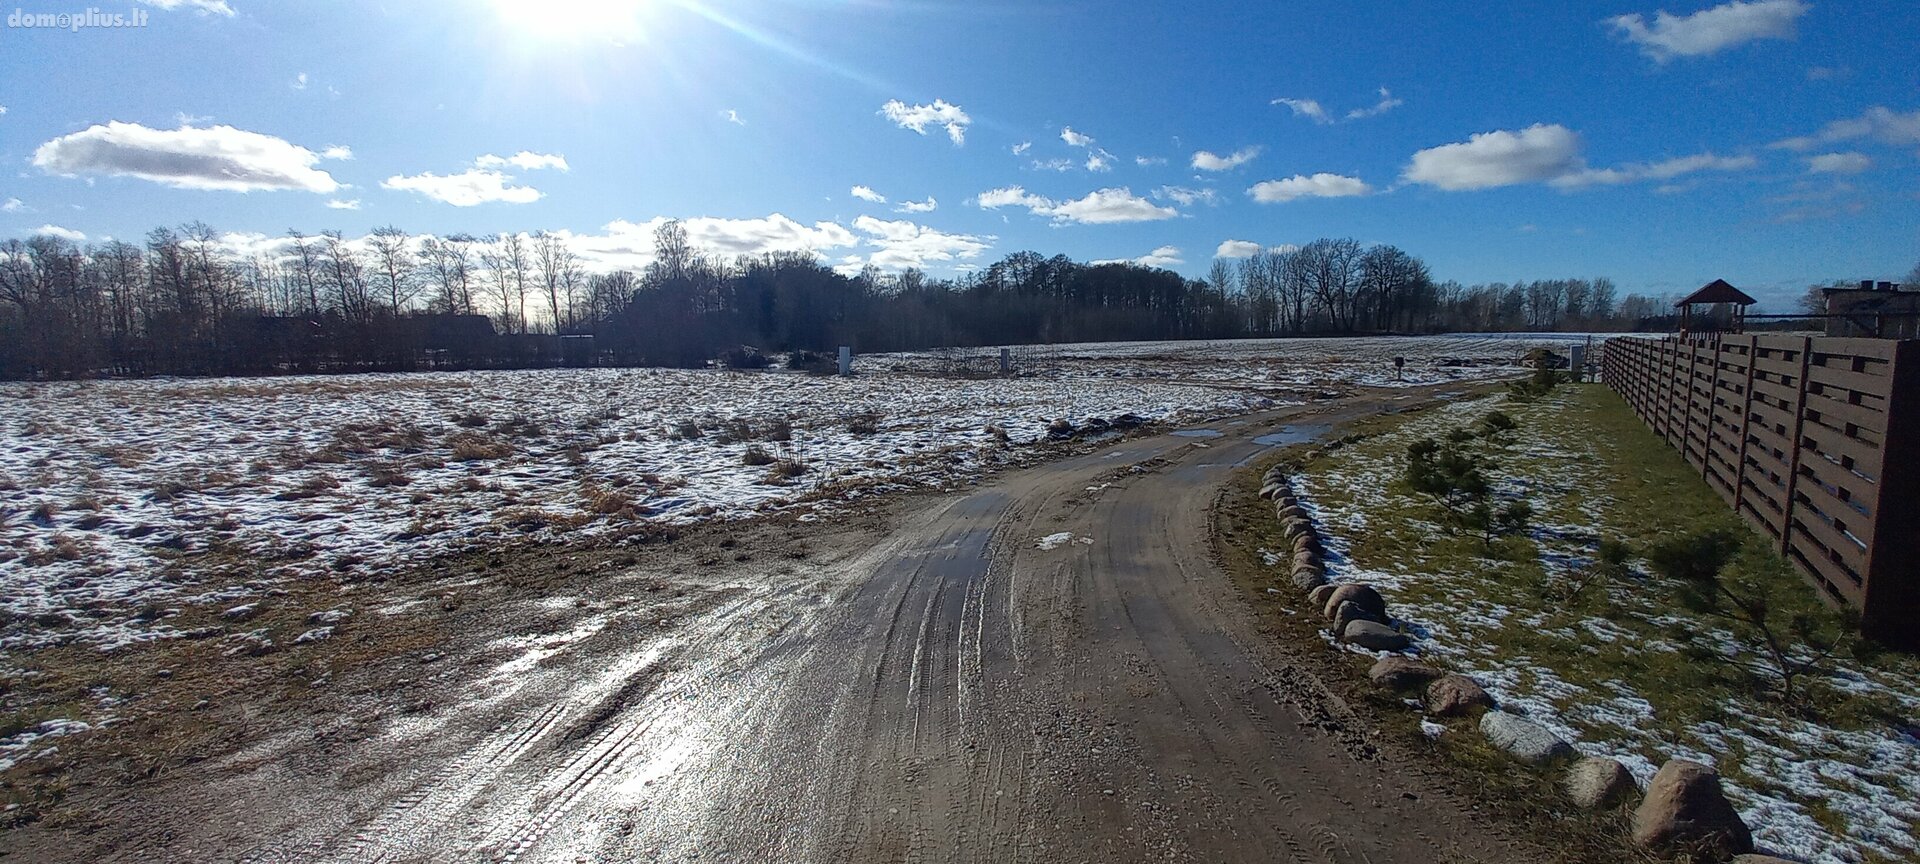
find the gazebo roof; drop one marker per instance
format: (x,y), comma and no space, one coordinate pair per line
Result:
(1717,291)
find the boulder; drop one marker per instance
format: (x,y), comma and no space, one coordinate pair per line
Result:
(1294,511)
(1305,559)
(1522,738)
(1400,673)
(1308,579)
(1349,613)
(1374,636)
(1060,429)
(1285,499)
(1296,526)
(317,634)
(1596,782)
(1271,490)
(1685,810)
(1308,542)
(1362,595)
(1456,696)
(1318,597)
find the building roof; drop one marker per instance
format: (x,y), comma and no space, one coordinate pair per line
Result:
(1717,291)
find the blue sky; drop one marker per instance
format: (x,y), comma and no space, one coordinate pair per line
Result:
(1773,143)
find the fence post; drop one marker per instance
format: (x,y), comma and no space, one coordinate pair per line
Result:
(1793,446)
(1746,419)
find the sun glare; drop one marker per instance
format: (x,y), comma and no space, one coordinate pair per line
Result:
(571,20)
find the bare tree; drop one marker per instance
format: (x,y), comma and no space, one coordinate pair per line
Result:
(449,263)
(306,268)
(559,275)
(394,266)
(345,273)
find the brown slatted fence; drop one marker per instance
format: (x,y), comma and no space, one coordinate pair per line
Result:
(1815,440)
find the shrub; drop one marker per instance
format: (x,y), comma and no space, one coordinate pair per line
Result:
(744,358)
(1496,422)
(733,431)
(785,470)
(471,420)
(864,424)
(687,430)
(756,456)
(1781,649)
(780,429)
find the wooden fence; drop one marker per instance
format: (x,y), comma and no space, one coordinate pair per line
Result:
(1814,439)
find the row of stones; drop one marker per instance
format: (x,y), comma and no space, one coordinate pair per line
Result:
(1684,808)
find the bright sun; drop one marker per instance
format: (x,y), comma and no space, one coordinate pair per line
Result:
(554,20)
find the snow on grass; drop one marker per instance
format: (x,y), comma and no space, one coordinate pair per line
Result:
(1617,671)
(1306,363)
(104,485)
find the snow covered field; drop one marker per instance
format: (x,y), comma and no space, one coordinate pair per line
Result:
(109,489)
(1321,362)
(1818,792)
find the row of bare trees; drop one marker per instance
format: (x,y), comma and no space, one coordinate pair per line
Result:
(190,301)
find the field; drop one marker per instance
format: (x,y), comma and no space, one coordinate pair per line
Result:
(141,513)
(1621,668)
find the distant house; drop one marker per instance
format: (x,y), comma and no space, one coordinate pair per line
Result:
(1875,309)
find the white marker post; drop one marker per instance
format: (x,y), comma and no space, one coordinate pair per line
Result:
(846,361)
(1006,361)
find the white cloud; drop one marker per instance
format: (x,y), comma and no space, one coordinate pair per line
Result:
(1146,161)
(1879,123)
(1100,161)
(337,204)
(1011,196)
(919,117)
(1305,108)
(1075,139)
(1710,30)
(927,206)
(1208,161)
(1489,159)
(1667,170)
(299,81)
(1022,147)
(1164,256)
(62,233)
(1387,103)
(525,161)
(1185,195)
(1303,186)
(1237,249)
(733,117)
(865,194)
(204,7)
(1051,165)
(628,245)
(1100,207)
(13,205)
(340,152)
(903,244)
(468,188)
(1838,163)
(217,157)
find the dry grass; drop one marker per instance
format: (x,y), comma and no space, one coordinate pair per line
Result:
(864,424)
(475,446)
(785,471)
(756,456)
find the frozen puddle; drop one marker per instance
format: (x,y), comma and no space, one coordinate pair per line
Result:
(1291,435)
(1198,433)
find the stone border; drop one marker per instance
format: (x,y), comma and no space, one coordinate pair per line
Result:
(1683,808)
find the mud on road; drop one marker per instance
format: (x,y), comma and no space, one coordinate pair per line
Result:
(1047,668)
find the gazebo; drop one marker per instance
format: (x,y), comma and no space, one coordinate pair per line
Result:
(1726,310)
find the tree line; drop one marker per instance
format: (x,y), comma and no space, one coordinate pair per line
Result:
(182,303)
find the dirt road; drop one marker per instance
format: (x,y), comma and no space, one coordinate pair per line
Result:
(1047,669)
